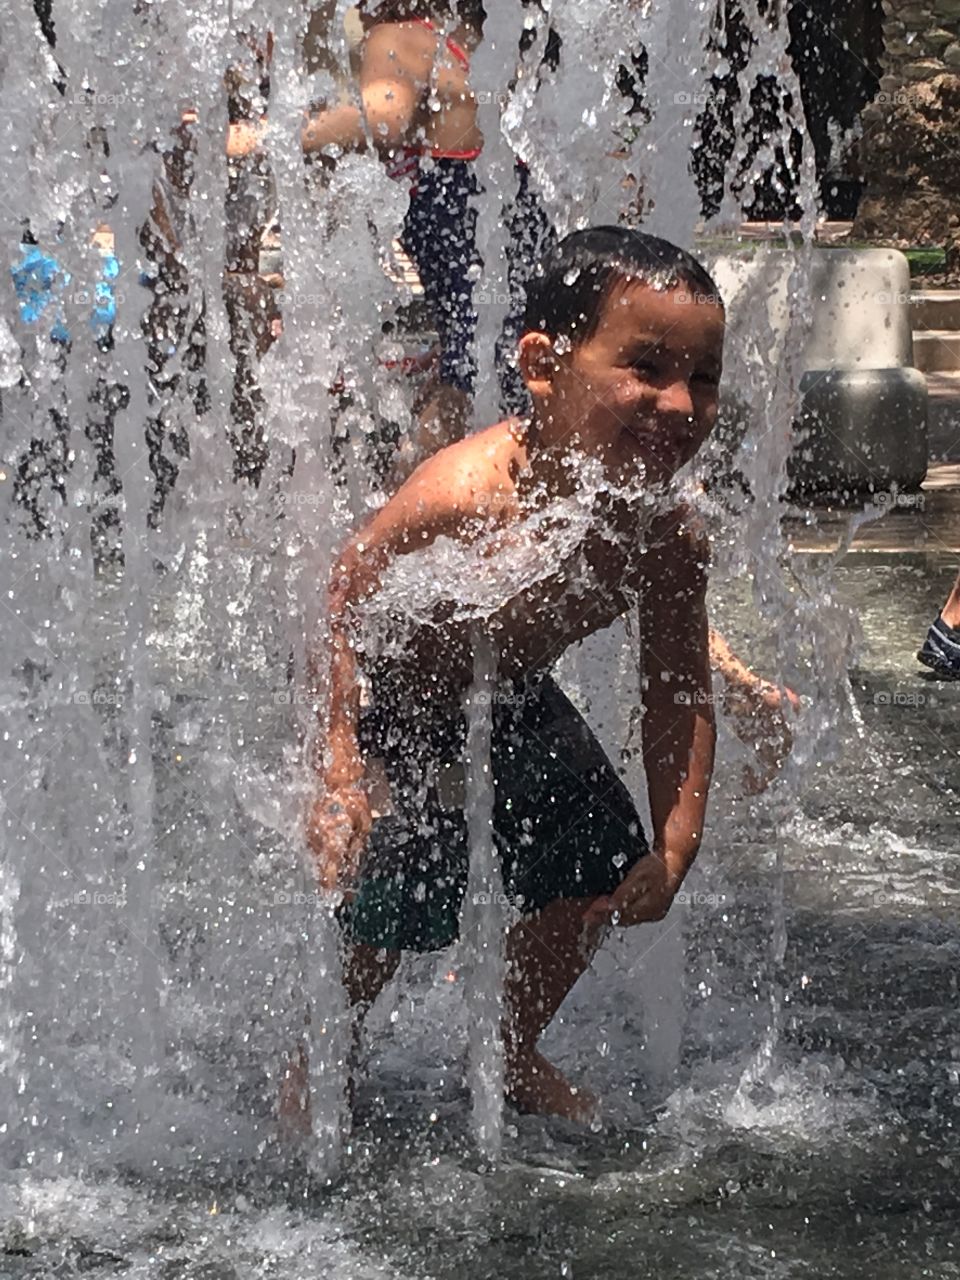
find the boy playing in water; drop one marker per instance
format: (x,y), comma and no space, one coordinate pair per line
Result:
(623,372)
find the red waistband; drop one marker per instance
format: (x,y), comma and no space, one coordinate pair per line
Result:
(406,164)
(438,153)
(452,45)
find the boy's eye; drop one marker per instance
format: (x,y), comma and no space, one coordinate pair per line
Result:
(647,367)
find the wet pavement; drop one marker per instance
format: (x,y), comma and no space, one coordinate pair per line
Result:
(810,1125)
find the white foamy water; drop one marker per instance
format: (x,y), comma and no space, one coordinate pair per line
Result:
(778,1060)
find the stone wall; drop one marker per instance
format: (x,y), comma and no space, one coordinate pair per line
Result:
(910,150)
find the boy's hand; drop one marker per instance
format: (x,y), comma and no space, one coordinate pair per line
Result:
(645,894)
(758,712)
(337,827)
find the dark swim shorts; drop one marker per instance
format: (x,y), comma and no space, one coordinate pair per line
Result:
(565,825)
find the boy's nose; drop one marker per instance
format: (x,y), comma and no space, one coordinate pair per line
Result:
(676,399)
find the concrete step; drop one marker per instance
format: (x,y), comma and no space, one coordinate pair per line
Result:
(936,350)
(935,309)
(945,387)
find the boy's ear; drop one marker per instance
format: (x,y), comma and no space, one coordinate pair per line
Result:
(537,358)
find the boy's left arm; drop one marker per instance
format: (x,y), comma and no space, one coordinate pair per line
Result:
(679,731)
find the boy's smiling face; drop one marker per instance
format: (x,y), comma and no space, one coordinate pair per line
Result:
(641,393)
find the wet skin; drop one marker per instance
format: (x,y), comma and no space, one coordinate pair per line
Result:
(641,397)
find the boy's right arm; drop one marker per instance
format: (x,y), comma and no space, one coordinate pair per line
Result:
(427,506)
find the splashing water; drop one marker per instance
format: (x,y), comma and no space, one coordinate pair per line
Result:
(162,944)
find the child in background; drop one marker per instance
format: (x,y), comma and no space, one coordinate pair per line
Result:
(421,116)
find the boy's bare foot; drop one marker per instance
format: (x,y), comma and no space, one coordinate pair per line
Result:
(536,1087)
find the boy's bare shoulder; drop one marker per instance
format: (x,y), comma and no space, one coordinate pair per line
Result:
(474,477)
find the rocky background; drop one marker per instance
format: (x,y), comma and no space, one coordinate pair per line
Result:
(910,149)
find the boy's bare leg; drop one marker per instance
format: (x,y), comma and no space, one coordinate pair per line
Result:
(366,972)
(545,957)
(293,1097)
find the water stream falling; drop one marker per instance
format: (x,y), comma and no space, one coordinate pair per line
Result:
(163,948)
(481,928)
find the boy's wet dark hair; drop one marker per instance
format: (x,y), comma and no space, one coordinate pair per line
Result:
(570,286)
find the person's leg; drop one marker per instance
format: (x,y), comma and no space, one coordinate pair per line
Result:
(253,317)
(366,971)
(546,954)
(950,612)
(439,234)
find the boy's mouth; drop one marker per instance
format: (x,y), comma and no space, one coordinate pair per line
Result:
(665,452)
(665,446)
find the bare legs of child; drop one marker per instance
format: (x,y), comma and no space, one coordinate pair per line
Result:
(545,956)
(366,973)
(941,648)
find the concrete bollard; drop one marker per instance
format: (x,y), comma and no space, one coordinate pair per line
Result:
(862,418)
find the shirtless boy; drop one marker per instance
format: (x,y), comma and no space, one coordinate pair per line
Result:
(622,370)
